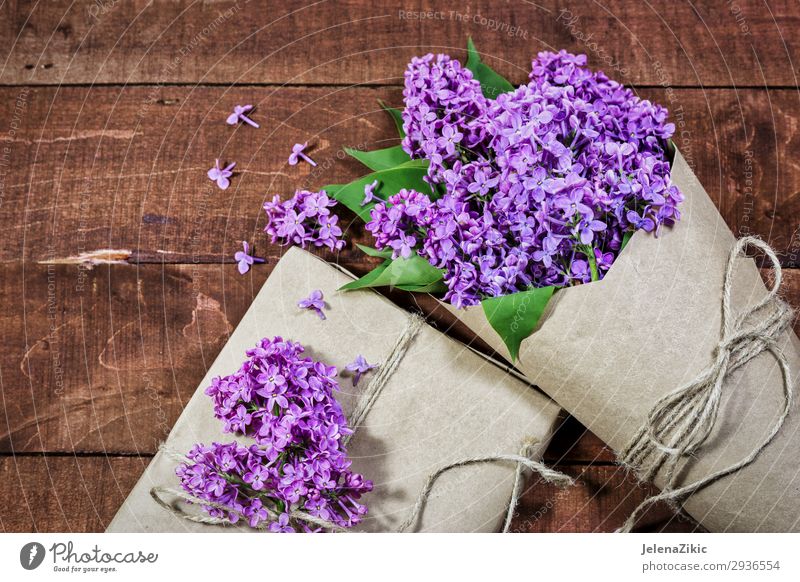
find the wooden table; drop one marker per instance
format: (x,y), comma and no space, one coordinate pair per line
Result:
(118,285)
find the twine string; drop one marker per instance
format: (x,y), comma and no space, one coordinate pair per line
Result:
(681,421)
(385,371)
(522,462)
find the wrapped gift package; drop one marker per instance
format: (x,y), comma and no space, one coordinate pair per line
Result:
(442,403)
(609,350)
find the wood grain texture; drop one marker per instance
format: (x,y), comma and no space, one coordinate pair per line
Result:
(111,113)
(601,500)
(746,43)
(104,360)
(125,168)
(71,494)
(64,493)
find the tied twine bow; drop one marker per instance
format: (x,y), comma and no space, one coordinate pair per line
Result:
(680,422)
(365,403)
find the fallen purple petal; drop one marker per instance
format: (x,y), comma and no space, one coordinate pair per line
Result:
(298,154)
(244,259)
(238,115)
(359,367)
(315,302)
(221,175)
(369,193)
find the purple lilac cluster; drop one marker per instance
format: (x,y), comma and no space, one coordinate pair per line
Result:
(444,112)
(543,182)
(304,220)
(396,224)
(299,460)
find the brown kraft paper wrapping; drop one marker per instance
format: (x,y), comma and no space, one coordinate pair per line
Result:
(608,350)
(444,403)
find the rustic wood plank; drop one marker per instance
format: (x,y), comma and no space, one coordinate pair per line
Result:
(746,43)
(104,360)
(125,168)
(573,442)
(601,500)
(64,493)
(76,494)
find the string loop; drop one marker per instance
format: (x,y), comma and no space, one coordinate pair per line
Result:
(681,421)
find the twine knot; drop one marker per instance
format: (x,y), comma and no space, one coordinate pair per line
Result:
(680,422)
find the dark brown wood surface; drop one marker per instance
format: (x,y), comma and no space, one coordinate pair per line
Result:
(112,152)
(746,43)
(116,283)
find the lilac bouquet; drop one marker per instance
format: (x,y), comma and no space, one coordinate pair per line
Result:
(299,461)
(498,197)
(505,195)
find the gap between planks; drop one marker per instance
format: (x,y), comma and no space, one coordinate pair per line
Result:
(356,85)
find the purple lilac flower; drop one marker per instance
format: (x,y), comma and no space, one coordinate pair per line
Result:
(535,182)
(299,460)
(221,175)
(369,193)
(239,114)
(315,301)
(359,367)
(282,525)
(603,260)
(298,153)
(304,220)
(244,259)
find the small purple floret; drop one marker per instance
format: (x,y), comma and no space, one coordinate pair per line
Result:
(298,153)
(244,259)
(221,175)
(238,115)
(315,302)
(359,367)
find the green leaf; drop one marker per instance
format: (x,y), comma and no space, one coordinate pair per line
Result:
(426,278)
(588,250)
(392,180)
(515,316)
(384,254)
(435,287)
(593,266)
(411,274)
(492,84)
(397,116)
(367,280)
(625,240)
(381,159)
(332,188)
(671,148)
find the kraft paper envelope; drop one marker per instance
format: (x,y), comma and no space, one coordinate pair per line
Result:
(608,350)
(444,403)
